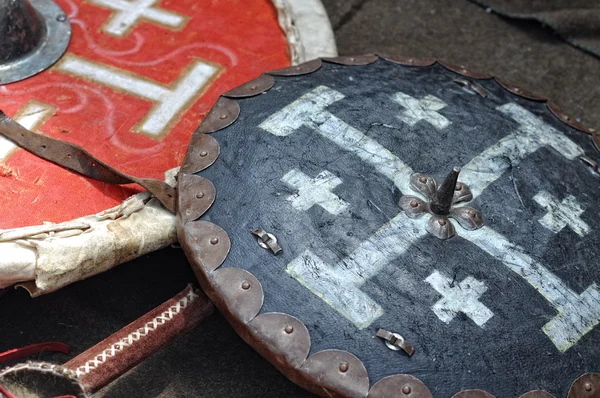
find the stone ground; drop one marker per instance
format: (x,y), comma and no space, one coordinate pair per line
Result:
(211,361)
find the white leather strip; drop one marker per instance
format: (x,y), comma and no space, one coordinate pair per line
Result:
(307,28)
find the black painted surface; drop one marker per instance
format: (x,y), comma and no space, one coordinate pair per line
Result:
(510,354)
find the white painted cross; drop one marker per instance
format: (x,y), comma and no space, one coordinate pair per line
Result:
(577,314)
(314,191)
(169,101)
(424,109)
(127,13)
(561,214)
(340,284)
(31,116)
(531,134)
(459,297)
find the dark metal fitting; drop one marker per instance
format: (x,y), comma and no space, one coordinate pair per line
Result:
(35,34)
(469,86)
(395,342)
(441,203)
(266,240)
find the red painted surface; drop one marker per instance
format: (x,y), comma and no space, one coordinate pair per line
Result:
(241,36)
(22,352)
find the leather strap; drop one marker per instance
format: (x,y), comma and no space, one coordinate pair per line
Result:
(77,159)
(115,355)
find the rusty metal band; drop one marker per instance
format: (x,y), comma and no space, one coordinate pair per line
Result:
(463,71)
(77,159)
(281,338)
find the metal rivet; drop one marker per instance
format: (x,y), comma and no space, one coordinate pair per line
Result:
(471,213)
(214,240)
(299,68)
(344,367)
(411,61)
(253,87)
(414,203)
(203,153)
(61,18)
(200,195)
(289,329)
(352,59)
(423,180)
(588,386)
(517,89)
(224,116)
(406,390)
(246,285)
(442,222)
(459,187)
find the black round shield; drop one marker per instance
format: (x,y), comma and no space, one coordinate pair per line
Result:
(399,227)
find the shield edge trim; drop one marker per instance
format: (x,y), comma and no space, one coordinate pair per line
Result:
(326,373)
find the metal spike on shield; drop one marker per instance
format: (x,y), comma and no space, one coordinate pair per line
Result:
(336,162)
(34,35)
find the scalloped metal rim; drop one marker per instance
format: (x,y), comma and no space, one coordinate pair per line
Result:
(242,310)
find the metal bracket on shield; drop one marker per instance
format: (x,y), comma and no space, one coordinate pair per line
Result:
(592,164)
(395,342)
(470,87)
(266,240)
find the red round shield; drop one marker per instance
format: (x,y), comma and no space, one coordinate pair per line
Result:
(137,78)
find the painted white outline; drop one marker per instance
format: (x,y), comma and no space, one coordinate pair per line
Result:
(169,102)
(127,14)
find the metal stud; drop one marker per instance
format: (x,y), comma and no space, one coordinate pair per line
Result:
(224,112)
